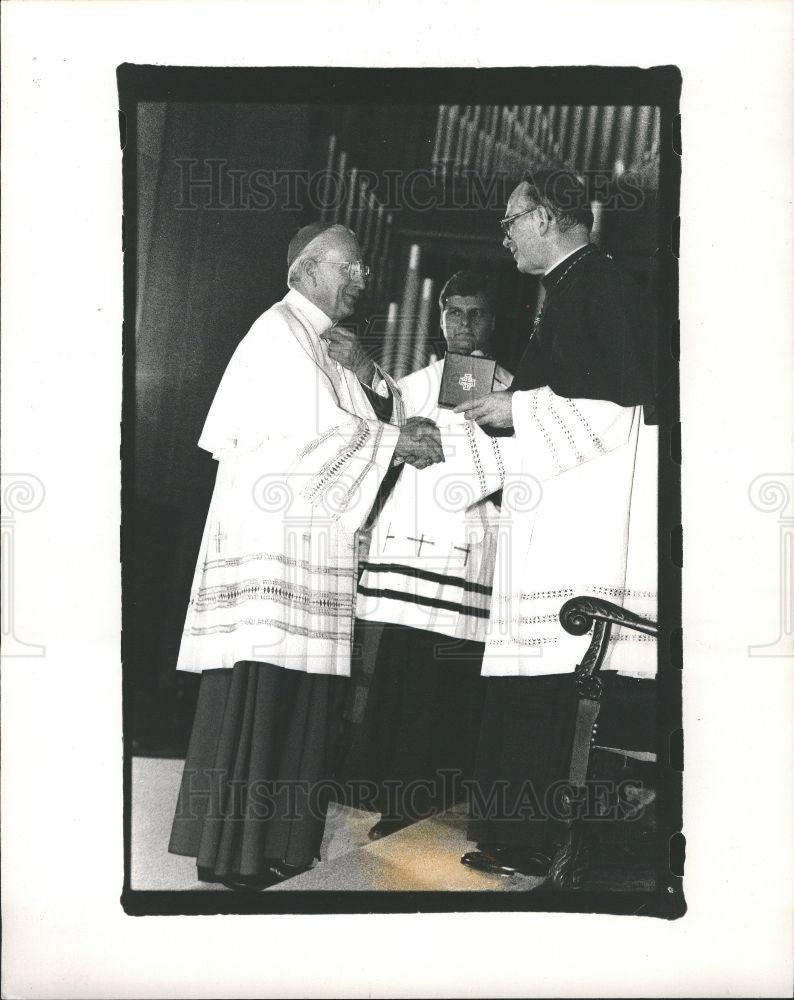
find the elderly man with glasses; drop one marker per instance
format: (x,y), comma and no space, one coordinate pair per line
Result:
(301,454)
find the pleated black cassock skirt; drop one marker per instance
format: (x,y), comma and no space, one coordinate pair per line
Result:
(256,782)
(412,720)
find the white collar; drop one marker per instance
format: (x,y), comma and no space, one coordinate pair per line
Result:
(318,320)
(565,256)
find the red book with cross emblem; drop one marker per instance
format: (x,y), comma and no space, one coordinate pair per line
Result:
(464,379)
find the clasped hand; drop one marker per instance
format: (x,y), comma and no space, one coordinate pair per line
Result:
(419,443)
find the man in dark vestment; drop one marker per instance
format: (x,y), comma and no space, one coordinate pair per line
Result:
(578,407)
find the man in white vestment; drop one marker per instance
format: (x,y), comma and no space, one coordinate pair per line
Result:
(423,601)
(578,517)
(301,454)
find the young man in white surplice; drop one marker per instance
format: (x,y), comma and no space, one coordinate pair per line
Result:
(424,598)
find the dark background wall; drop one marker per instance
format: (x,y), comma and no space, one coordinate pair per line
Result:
(205,273)
(203,277)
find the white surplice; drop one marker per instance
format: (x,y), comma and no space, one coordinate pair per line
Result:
(578,518)
(433,548)
(300,457)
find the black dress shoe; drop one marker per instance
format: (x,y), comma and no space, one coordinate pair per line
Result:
(499,860)
(249,883)
(385,827)
(281,871)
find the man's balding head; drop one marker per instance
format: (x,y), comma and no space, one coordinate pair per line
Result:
(318,258)
(551,213)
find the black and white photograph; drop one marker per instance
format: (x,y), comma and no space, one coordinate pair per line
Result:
(397,499)
(396,377)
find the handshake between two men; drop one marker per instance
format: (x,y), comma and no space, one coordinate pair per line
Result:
(420,445)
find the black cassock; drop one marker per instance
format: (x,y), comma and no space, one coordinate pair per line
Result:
(411,721)
(595,338)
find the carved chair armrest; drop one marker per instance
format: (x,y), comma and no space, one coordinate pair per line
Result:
(578,616)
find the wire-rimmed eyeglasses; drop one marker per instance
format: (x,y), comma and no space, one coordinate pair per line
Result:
(356,271)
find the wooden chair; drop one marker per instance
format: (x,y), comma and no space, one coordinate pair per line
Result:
(578,616)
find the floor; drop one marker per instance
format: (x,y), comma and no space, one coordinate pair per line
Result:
(424,856)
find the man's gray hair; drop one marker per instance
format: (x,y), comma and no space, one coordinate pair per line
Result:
(318,246)
(564,194)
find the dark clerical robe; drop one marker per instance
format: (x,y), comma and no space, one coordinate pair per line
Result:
(582,393)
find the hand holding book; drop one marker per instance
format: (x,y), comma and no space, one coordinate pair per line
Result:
(494,411)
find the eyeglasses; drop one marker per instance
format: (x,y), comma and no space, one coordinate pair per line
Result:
(507,224)
(356,271)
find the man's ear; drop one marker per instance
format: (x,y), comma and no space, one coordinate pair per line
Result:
(309,268)
(545,219)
